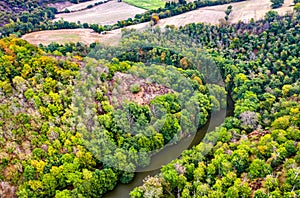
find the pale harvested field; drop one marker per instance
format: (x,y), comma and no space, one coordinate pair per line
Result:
(242,11)
(60,6)
(83,5)
(256,9)
(85,36)
(104,14)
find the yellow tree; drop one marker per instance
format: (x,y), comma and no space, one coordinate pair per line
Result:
(155,19)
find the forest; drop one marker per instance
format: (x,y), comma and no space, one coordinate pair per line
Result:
(254,153)
(77,120)
(49,144)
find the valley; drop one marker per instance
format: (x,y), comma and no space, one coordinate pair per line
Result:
(149,99)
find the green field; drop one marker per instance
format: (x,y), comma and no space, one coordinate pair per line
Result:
(65,36)
(146,4)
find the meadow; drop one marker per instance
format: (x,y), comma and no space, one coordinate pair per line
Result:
(146,4)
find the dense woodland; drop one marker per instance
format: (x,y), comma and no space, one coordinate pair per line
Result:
(49,146)
(64,132)
(257,150)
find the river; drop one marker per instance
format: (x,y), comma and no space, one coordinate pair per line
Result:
(172,152)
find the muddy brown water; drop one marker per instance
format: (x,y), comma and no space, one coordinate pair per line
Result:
(172,152)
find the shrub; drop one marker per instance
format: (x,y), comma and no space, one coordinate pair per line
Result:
(135,88)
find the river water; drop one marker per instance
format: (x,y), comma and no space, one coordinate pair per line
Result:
(170,153)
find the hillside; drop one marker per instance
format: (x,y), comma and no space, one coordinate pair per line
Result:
(50,144)
(193,99)
(25,10)
(255,152)
(242,11)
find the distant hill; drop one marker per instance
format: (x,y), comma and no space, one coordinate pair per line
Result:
(27,10)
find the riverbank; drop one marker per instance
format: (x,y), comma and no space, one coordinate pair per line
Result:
(172,152)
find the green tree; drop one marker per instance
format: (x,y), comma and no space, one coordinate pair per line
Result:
(281,122)
(259,169)
(239,189)
(271,183)
(297,7)
(277,3)
(63,194)
(240,160)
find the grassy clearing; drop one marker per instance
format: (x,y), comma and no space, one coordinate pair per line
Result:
(65,36)
(86,36)
(146,4)
(178,1)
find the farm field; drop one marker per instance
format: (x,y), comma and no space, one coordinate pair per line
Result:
(104,14)
(256,9)
(60,6)
(242,11)
(82,5)
(146,4)
(85,36)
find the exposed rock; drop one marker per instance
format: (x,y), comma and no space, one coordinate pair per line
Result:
(7,191)
(121,84)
